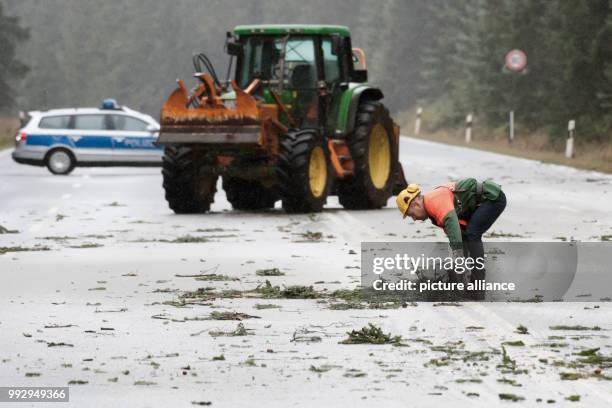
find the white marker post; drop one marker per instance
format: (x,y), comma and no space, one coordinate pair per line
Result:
(516,62)
(417,123)
(569,143)
(468,128)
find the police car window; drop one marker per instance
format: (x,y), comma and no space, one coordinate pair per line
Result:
(55,122)
(90,122)
(126,123)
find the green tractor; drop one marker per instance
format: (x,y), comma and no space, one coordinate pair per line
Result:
(298,122)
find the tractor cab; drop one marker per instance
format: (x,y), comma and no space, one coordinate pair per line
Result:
(305,67)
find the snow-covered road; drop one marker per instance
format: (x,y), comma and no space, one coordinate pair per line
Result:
(95,297)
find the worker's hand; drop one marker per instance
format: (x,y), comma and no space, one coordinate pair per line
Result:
(459,261)
(458,272)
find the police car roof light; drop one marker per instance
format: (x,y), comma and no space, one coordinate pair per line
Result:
(110,104)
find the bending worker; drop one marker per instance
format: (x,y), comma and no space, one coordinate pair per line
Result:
(465,209)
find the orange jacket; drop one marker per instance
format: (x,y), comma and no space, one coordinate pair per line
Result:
(440,206)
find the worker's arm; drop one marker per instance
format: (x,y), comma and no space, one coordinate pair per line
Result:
(440,206)
(453,230)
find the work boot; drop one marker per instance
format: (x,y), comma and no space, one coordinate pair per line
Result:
(476,294)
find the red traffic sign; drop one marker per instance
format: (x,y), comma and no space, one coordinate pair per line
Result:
(516,60)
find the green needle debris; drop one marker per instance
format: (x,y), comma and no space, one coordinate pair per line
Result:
(371,335)
(269,272)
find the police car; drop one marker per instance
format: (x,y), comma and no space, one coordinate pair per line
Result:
(110,136)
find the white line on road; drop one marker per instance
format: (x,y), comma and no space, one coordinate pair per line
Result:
(570,209)
(352,226)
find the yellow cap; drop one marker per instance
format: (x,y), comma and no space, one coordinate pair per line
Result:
(405,197)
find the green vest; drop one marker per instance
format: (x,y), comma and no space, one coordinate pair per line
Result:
(469,194)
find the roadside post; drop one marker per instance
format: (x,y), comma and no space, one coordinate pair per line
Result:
(468,128)
(569,143)
(417,122)
(515,63)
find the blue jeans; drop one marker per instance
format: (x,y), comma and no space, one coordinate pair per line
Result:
(482,219)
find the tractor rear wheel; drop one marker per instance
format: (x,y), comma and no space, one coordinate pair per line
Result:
(373,150)
(187,191)
(248,194)
(304,171)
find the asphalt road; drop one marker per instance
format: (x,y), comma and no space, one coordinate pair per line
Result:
(95,296)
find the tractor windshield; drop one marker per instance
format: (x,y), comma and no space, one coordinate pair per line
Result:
(263,59)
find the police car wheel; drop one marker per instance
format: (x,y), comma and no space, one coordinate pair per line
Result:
(60,162)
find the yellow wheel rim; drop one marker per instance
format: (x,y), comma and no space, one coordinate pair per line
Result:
(379,156)
(317,171)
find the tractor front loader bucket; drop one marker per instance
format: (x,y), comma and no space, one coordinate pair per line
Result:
(204,117)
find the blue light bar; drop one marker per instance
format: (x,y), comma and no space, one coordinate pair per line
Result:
(110,104)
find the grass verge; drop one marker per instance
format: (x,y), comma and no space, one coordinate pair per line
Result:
(534,146)
(8,127)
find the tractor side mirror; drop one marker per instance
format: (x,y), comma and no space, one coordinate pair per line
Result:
(234,48)
(336,45)
(360,75)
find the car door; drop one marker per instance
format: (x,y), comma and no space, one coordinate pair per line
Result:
(91,138)
(133,142)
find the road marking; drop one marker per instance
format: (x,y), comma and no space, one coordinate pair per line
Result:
(494,317)
(76,185)
(66,196)
(351,225)
(570,209)
(52,210)
(600,391)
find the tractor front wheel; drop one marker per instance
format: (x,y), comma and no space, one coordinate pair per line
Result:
(304,171)
(248,194)
(187,191)
(373,150)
